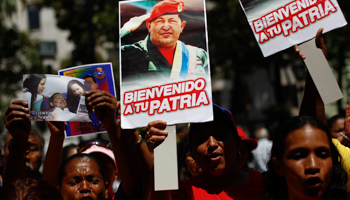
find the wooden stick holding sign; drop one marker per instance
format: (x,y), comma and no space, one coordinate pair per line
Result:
(320,72)
(165,163)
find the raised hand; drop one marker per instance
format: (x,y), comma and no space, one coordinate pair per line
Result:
(135,23)
(17,121)
(104,105)
(155,134)
(319,44)
(56,128)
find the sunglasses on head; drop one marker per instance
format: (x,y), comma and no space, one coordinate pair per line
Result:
(86,145)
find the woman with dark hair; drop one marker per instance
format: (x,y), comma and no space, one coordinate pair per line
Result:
(304,163)
(33,87)
(75,90)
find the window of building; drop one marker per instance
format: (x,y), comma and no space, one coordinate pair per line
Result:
(47,49)
(33,16)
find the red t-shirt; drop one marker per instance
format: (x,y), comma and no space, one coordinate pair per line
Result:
(168,54)
(197,188)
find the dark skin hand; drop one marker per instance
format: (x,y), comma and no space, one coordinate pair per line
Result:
(105,106)
(155,133)
(319,44)
(56,128)
(17,121)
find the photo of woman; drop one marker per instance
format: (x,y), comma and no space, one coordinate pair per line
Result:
(33,88)
(75,89)
(49,96)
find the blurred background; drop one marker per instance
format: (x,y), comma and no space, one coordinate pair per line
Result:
(43,36)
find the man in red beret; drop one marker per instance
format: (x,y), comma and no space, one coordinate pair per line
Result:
(161,56)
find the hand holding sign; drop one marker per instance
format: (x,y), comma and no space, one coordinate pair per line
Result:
(105,106)
(319,44)
(156,134)
(278,25)
(17,121)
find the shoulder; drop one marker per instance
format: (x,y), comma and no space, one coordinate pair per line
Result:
(27,94)
(137,46)
(197,49)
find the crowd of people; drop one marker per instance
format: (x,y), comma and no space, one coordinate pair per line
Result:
(308,158)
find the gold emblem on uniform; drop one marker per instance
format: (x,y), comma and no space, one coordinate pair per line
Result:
(180,7)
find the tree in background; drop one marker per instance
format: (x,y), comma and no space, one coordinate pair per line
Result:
(18,55)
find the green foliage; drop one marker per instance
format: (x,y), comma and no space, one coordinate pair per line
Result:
(18,55)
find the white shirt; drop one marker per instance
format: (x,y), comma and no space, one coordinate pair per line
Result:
(261,155)
(62,115)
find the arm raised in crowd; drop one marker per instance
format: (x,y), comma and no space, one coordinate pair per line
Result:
(53,158)
(106,108)
(17,122)
(312,104)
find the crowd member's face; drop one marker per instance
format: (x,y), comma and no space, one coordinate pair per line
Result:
(34,157)
(306,163)
(77,90)
(110,170)
(214,149)
(165,30)
(337,127)
(93,84)
(59,101)
(83,180)
(41,86)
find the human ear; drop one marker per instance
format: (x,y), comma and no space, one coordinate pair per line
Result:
(106,190)
(148,24)
(183,24)
(277,166)
(51,104)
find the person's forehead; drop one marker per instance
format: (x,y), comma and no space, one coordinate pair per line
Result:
(34,139)
(211,129)
(81,166)
(58,96)
(167,16)
(305,137)
(76,86)
(89,79)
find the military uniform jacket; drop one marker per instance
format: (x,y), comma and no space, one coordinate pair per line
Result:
(142,61)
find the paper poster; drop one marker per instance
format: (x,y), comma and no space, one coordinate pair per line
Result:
(101,77)
(164,71)
(56,98)
(278,24)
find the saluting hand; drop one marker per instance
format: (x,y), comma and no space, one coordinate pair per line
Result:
(135,22)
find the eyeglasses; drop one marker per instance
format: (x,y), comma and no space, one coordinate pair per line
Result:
(101,143)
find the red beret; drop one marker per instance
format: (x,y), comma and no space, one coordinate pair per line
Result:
(166,6)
